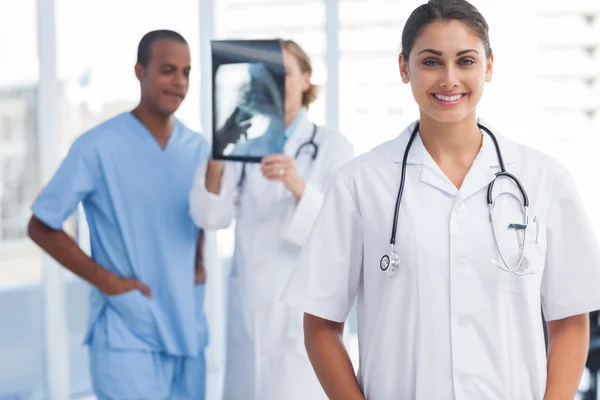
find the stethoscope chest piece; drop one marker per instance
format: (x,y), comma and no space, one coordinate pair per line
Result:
(390,264)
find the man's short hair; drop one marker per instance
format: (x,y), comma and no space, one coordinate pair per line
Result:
(145,46)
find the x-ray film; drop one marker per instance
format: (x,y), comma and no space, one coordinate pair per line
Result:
(248,81)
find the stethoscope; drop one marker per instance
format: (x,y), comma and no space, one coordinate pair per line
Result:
(312,144)
(390,263)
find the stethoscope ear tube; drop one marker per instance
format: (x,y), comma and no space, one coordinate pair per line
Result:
(311,143)
(515,180)
(401,188)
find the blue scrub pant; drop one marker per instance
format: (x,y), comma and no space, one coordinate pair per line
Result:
(144,375)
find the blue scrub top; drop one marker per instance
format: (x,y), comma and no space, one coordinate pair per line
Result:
(135,198)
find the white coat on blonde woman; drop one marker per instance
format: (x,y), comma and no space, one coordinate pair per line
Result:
(266,357)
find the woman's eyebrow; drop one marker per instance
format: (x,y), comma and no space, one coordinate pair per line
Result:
(439,53)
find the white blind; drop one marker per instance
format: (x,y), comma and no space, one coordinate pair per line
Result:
(568,91)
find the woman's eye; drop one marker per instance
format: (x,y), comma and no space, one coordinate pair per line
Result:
(467,61)
(430,63)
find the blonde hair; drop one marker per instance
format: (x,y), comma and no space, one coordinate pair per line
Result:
(310,95)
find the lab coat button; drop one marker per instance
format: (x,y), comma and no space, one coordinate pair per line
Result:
(463,322)
(460,207)
(462,262)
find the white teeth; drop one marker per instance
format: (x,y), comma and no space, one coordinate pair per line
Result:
(449,98)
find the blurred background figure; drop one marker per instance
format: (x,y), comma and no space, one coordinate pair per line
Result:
(133,173)
(274,205)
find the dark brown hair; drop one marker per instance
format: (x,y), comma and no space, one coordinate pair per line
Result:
(444,10)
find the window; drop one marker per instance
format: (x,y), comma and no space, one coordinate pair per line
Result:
(21,341)
(568,96)
(18,153)
(18,161)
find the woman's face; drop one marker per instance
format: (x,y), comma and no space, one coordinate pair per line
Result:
(296,83)
(447,69)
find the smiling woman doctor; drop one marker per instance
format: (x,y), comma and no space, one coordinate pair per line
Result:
(274,205)
(448,297)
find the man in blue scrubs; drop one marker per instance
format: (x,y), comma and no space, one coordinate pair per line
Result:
(133,174)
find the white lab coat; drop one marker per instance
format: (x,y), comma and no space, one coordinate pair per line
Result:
(450,324)
(266,358)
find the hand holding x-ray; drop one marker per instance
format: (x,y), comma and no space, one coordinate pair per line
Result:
(234,128)
(282,168)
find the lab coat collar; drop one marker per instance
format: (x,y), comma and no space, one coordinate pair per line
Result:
(417,154)
(301,134)
(482,172)
(289,131)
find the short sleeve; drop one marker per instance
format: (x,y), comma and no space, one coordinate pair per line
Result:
(75,179)
(571,281)
(326,278)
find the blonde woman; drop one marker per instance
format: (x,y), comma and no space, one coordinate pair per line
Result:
(274,204)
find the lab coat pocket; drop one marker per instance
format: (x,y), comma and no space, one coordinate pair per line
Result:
(134,312)
(528,280)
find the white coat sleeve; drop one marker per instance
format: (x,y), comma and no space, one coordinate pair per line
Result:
(326,278)
(208,210)
(310,203)
(571,280)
